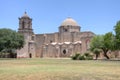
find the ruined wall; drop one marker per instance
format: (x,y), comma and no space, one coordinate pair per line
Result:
(86,37)
(39,39)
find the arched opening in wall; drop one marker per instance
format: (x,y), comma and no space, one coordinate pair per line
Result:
(51,41)
(29,24)
(65,30)
(64,51)
(30,55)
(32,38)
(23,25)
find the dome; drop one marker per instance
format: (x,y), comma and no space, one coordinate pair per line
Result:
(69,21)
(25,15)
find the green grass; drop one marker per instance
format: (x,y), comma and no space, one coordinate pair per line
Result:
(58,69)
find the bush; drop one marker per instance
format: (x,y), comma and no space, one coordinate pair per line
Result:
(88,56)
(76,56)
(85,56)
(81,57)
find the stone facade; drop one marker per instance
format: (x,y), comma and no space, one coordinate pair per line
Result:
(68,41)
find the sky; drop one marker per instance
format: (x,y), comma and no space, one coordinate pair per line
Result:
(98,16)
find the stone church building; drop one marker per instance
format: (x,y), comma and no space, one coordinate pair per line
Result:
(64,43)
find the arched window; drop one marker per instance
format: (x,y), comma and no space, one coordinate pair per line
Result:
(65,30)
(32,38)
(64,51)
(29,24)
(23,25)
(51,41)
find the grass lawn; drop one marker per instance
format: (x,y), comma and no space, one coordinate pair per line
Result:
(58,69)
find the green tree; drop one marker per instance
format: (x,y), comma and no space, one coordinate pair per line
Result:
(117,35)
(97,51)
(108,43)
(103,42)
(10,41)
(95,45)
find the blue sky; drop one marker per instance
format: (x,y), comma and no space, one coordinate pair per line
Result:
(98,16)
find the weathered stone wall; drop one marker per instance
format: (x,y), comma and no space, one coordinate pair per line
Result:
(31,49)
(68,41)
(39,39)
(53,45)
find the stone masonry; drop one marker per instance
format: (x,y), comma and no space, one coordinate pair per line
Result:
(68,41)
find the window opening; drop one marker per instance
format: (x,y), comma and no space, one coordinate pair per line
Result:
(64,51)
(65,30)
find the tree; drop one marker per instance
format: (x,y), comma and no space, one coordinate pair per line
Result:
(95,45)
(10,41)
(108,43)
(103,42)
(97,51)
(117,35)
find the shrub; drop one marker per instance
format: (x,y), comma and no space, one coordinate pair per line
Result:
(76,56)
(81,57)
(85,56)
(88,56)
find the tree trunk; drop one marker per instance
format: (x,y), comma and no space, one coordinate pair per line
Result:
(105,54)
(96,56)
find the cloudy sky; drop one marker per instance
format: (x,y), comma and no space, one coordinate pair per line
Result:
(98,16)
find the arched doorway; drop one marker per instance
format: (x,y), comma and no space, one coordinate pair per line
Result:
(30,55)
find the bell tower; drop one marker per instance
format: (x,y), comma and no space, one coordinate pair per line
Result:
(25,28)
(25,24)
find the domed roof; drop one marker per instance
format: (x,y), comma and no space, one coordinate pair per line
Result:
(25,15)
(69,21)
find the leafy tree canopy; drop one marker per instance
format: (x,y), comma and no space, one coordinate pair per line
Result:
(103,42)
(10,40)
(117,35)
(96,42)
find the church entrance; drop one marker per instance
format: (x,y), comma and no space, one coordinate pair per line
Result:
(30,55)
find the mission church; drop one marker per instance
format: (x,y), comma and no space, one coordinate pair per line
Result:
(64,43)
